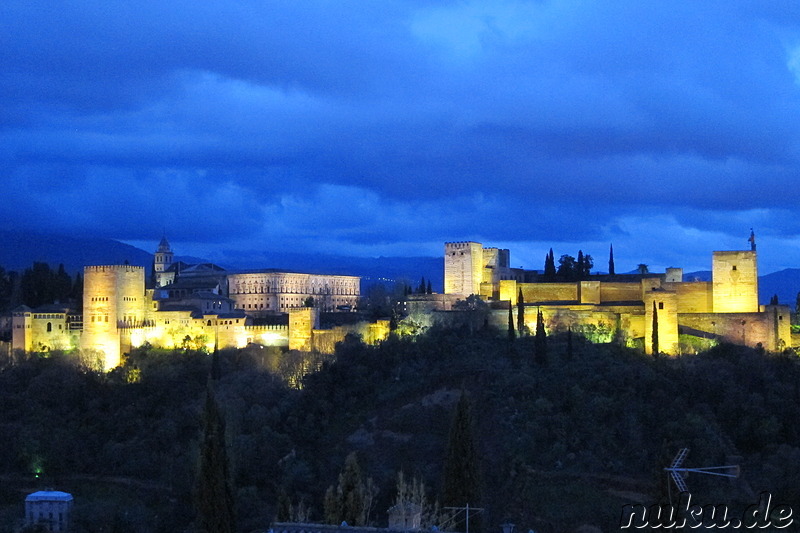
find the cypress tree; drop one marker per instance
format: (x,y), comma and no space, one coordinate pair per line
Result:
(430,290)
(461,479)
(351,492)
(611,260)
(550,265)
(511,334)
(215,508)
(580,265)
(77,291)
(655,329)
(540,340)
(520,313)
(216,370)
(569,342)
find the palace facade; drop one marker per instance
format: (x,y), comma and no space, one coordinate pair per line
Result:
(190,306)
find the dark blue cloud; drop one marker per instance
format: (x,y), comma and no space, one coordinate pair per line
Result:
(367,127)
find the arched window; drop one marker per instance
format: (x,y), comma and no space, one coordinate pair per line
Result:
(49,327)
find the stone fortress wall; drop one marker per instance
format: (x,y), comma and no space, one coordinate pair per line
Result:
(725,309)
(120,314)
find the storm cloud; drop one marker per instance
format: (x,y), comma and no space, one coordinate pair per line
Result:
(386,128)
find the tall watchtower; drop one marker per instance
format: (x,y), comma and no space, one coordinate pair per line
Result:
(113,297)
(735,282)
(463,267)
(162,260)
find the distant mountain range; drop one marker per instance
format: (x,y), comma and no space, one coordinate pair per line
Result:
(18,251)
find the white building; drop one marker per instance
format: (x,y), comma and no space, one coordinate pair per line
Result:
(50,508)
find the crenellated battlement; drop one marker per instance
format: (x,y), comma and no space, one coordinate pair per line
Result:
(457,245)
(113,268)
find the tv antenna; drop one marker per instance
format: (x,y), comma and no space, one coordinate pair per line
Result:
(466,510)
(678,472)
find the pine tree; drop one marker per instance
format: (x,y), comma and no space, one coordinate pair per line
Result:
(511,334)
(566,267)
(611,260)
(461,479)
(520,313)
(540,340)
(655,330)
(215,507)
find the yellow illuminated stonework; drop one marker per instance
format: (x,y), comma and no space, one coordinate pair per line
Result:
(119,313)
(621,307)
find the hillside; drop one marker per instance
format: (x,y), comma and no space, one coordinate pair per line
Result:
(559,446)
(21,249)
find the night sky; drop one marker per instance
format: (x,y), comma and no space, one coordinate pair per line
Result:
(386,128)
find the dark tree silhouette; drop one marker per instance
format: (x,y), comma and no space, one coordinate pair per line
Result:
(569,342)
(566,267)
(461,484)
(550,265)
(655,330)
(511,334)
(215,507)
(611,260)
(540,340)
(520,313)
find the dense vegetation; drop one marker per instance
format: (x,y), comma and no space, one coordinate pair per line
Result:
(560,443)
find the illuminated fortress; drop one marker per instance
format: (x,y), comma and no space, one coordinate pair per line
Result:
(203,306)
(621,307)
(192,306)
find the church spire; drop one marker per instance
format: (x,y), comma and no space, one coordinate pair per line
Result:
(163,246)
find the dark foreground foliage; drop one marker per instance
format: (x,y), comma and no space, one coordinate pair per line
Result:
(558,445)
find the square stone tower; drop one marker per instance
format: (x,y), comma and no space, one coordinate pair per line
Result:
(463,267)
(735,282)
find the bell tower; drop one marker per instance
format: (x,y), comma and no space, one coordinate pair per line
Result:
(161,262)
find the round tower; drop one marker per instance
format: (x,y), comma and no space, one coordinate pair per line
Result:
(162,260)
(113,298)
